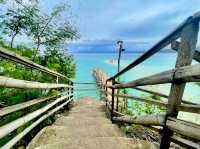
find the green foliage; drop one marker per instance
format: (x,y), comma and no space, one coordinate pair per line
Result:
(140,108)
(15,22)
(49,31)
(60,62)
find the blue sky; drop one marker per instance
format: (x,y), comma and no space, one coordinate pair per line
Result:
(141,21)
(137,20)
(129,20)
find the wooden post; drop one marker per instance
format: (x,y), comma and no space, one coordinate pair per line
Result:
(117,102)
(106,89)
(72,90)
(113,100)
(186,50)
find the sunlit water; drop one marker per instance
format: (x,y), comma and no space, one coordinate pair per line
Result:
(86,63)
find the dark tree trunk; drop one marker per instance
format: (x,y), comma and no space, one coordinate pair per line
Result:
(12,40)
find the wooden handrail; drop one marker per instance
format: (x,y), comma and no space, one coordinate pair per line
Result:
(14,140)
(16,83)
(17,107)
(8,128)
(150,101)
(19,59)
(41,113)
(182,74)
(162,95)
(189,108)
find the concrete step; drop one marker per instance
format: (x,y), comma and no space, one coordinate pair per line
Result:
(86,107)
(81,122)
(88,113)
(57,133)
(97,143)
(88,101)
(85,126)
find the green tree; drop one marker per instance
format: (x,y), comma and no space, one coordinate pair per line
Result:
(60,34)
(47,30)
(13,23)
(17,20)
(59,61)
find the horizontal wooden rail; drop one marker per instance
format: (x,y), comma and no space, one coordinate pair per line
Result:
(184,142)
(151,92)
(182,74)
(19,59)
(188,129)
(155,120)
(15,83)
(189,108)
(158,46)
(161,95)
(8,128)
(14,140)
(17,107)
(150,101)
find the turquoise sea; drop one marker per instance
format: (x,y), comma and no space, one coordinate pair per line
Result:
(86,62)
(157,63)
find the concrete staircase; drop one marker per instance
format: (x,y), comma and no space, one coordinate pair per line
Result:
(85,126)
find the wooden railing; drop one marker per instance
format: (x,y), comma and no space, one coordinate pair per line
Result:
(183,40)
(51,104)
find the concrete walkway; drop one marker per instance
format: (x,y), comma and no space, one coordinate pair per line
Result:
(85,126)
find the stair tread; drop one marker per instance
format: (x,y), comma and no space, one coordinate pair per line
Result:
(85,121)
(99,143)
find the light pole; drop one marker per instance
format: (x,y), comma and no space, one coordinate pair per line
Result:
(121,49)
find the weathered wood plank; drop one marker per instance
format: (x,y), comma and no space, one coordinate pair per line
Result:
(161,95)
(188,129)
(150,101)
(15,83)
(182,74)
(185,143)
(155,120)
(189,108)
(17,107)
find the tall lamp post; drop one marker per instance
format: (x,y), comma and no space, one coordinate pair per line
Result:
(121,49)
